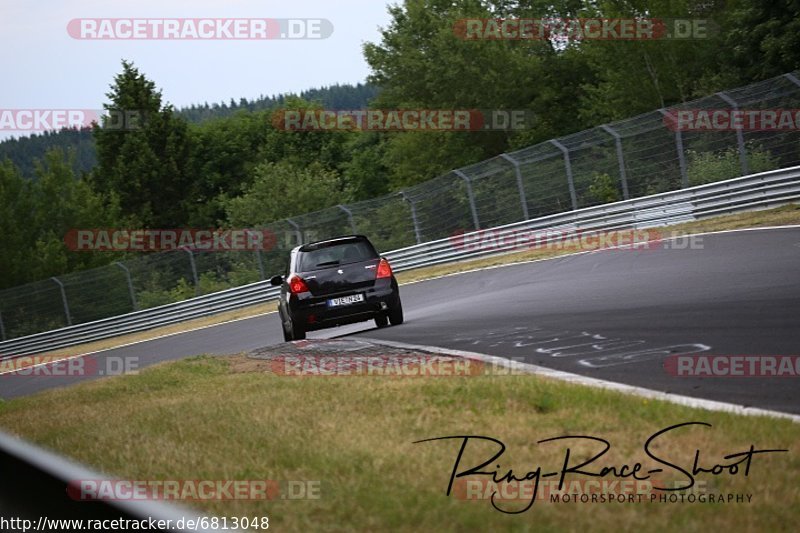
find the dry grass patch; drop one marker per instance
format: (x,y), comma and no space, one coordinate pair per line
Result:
(217,418)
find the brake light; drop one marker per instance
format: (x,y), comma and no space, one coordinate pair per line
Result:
(384,270)
(297,285)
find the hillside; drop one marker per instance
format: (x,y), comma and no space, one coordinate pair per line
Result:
(25,151)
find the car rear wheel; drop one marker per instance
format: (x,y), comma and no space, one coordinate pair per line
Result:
(293,333)
(396,313)
(381,320)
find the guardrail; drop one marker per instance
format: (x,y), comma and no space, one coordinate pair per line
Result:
(756,191)
(36,490)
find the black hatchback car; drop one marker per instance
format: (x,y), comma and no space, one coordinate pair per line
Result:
(335,282)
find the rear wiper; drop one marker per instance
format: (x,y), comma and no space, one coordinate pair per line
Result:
(327,263)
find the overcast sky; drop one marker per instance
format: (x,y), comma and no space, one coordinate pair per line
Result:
(44,67)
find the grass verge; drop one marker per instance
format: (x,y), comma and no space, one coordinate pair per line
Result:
(208,418)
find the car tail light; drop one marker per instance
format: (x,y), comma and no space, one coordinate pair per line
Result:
(297,285)
(384,270)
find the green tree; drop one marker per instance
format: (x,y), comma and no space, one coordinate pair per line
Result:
(761,39)
(15,229)
(280,190)
(146,162)
(366,172)
(300,148)
(637,76)
(38,214)
(226,152)
(423,61)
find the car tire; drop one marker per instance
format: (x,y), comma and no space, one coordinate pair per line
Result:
(298,333)
(396,313)
(381,320)
(294,333)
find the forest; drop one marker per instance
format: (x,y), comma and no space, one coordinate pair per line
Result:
(220,166)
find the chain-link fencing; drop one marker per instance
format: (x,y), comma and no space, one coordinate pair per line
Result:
(663,150)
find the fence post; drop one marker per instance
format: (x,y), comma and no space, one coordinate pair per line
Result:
(349,217)
(194,271)
(739,135)
(298,232)
(257,253)
(679,148)
(63,299)
(792,78)
(413,216)
(520,186)
(623,175)
(568,166)
(130,284)
(260,264)
(471,198)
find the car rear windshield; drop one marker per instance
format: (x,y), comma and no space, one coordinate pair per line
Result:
(326,255)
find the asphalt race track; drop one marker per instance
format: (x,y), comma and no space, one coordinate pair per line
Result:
(613,315)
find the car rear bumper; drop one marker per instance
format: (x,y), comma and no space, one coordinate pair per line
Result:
(313,313)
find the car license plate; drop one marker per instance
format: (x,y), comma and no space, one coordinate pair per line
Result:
(345,300)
